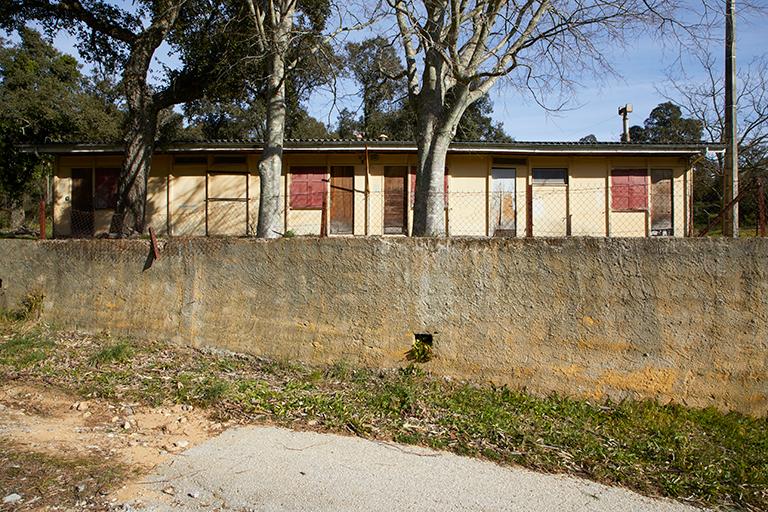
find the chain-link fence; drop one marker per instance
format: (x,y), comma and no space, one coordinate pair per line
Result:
(651,208)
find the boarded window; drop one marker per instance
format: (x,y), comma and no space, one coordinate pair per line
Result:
(551,177)
(106,188)
(629,190)
(413,187)
(307,187)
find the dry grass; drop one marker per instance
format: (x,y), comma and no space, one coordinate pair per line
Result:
(699,456)
(56,481)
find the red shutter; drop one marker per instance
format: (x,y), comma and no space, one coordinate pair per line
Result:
(307,187)
(629,190)
(638,199)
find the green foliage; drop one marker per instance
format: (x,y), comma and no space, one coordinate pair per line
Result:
(666,125)
(421,350)
(44,98)
(22,351)
(120,352)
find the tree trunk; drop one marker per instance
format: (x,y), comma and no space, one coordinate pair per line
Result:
(429,204)
(271,161)
(141,127)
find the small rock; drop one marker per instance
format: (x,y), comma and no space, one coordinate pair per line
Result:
(12,499)
(80,406)
(79,488)
(128,411)
(87,414)
(115,419)
(126,425)
(312,423)
(181,443)
(193,494)
(182,419)
(187,408)
(169,490)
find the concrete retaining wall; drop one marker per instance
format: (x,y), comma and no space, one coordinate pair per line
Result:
(682,320)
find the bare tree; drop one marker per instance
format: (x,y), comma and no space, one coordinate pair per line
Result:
(457,50)
(273,26)
(288,34)
(703,98)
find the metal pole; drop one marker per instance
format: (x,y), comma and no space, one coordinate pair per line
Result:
(731,170)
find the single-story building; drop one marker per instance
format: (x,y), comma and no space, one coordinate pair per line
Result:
(351,187)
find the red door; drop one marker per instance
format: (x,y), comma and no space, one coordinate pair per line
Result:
(395,200)
(342,200)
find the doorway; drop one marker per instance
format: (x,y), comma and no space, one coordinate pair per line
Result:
(503,207)
(82,203)
(661,202)
(395,200)
(342,200)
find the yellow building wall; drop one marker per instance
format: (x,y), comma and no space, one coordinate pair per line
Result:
(188,200)
(157,193)
(550,202)
(468,195)
(587,196)
(584,202)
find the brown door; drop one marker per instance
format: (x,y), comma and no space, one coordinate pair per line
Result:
(82,202)
(394,200)
(342,199)
(661,202)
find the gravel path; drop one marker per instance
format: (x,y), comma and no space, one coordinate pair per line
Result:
(274,469)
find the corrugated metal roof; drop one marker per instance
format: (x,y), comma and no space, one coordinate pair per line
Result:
(519,147)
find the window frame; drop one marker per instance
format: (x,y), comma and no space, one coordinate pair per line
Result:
(549,182)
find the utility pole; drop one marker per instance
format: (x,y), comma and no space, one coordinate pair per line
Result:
(731,170)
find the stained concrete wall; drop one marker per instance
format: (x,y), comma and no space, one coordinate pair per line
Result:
(682,320)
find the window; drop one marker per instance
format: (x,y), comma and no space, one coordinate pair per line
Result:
(191,160)
(413,187)
(550,177)
(106,188)
(229,160)
(307,187)
(629,190)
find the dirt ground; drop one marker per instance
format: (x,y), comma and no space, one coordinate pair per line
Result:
(50,425)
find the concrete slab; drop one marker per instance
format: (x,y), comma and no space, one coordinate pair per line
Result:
(274,469)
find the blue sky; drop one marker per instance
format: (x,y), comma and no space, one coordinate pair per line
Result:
(642,65)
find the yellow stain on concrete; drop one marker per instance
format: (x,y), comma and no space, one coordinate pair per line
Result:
(649,381)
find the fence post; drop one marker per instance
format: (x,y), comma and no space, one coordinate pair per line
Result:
(324,214)
(528,210)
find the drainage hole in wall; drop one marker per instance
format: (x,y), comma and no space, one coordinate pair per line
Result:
(422,349)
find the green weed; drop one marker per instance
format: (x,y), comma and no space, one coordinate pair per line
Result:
(119,352)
